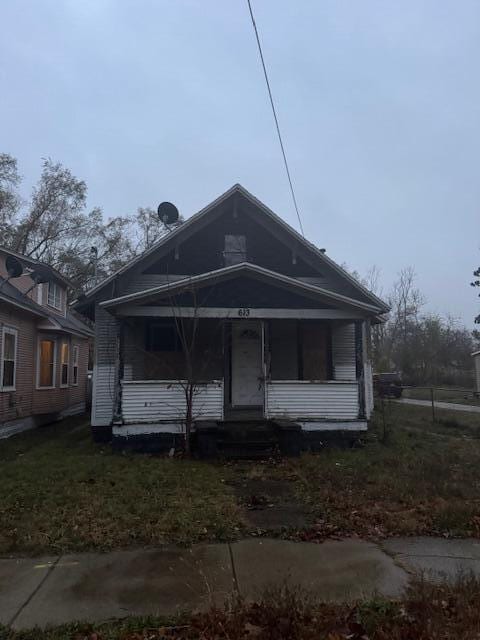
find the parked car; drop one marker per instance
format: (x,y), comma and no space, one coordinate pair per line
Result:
(387,385)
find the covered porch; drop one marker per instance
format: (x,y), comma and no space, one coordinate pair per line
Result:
(296,355)
(302,370)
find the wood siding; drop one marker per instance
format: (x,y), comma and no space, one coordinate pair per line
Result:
(26,400)
(300,400)
(343,352)
(476,359)
(105,374)
(148,401)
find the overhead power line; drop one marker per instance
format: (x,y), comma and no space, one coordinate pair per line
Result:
(275,118)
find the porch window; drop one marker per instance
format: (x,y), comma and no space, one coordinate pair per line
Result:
(9,359)
(314,351)
(235,250)
(64,355)
(54,298)
(46,363)
(300,350)
(76,350)
(162,336)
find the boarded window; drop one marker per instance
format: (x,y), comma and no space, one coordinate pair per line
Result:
(64,355)
(46,372)
(235,250)
(314,350)
(9,358)
(283,350)
(162,336)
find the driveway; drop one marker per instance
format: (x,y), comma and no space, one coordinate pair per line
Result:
(440,405)
(95,586)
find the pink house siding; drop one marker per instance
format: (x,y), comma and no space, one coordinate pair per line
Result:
(32,318)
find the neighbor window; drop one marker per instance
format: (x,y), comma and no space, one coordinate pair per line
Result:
(9,359)
(75,351)
(46,363)
(54,295)
(64,365)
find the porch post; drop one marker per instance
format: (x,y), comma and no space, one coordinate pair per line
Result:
(359,366)
(119,368)
(264,366)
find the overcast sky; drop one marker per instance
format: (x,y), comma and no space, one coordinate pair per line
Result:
(379,102)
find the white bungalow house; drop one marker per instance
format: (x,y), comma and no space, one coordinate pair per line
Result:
(281,333)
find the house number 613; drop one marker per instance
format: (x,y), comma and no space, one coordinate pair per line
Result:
(244,313)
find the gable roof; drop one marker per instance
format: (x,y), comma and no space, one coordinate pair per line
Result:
(32,263)
(243,268)
(12,295)
(69,322)
(270,215)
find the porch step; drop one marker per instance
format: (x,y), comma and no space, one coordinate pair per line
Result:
(241,439)
(241,449)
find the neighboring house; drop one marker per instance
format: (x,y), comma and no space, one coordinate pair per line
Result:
(476,359)
(43,348)
(283,331)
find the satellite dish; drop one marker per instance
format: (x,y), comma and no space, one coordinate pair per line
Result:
(167,212)
(14,267)
(40,274)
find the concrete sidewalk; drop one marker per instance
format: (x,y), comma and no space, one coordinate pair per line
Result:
(452,406)
(94,587)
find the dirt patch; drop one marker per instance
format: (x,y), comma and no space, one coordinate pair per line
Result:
(269,505)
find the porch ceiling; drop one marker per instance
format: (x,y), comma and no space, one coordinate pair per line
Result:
(315,297)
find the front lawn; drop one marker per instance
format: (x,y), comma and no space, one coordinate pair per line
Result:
(424,480)
(59,491)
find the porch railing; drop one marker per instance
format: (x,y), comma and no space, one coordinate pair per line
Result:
(302,399)
(164,401)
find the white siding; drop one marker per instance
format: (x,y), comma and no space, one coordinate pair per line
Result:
(156,401)
(476,359)
(105,367)
(343,352)
(367,368)
(369,401)
(298,399)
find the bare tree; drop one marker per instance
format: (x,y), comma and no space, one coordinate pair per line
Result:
(476,283)
(199,352)
(55,227)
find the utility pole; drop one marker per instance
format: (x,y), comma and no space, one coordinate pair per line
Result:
(94,261)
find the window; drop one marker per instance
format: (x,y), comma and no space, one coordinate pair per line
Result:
(9,359)
(46,363)
(235,250)
(54,295)
(162,336)
(64,355)
(76,351)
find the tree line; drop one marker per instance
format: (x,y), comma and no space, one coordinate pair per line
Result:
(53,225)
(426,348)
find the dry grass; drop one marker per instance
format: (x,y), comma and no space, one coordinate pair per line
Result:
(455,395)
(426,612)
(60,491)
(418,482)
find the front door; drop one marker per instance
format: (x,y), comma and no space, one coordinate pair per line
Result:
(247,366)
